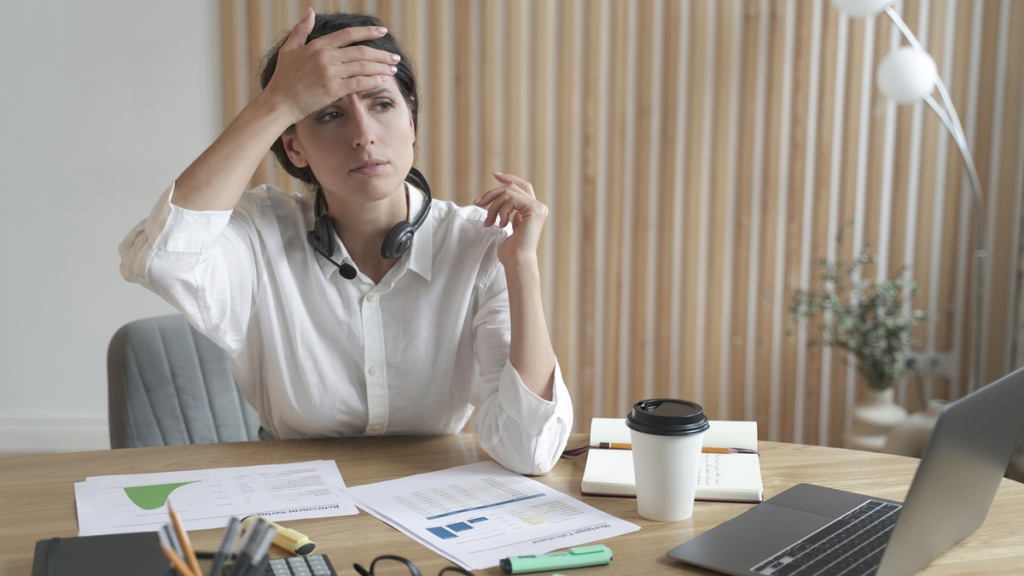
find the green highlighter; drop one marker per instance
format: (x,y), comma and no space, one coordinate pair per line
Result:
(572,558)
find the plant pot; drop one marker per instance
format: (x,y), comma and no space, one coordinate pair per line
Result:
(910,437)
(873,417)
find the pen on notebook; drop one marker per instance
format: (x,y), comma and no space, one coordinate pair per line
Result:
(705,450)
(186,545)
(173,558)
(226,546)
(709,450)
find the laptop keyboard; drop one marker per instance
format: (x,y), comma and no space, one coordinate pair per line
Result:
(850,545)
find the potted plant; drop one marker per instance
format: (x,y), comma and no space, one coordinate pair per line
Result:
(864,316)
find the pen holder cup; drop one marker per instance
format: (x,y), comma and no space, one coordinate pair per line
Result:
(206,564)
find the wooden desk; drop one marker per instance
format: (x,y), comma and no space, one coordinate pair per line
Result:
(37,499)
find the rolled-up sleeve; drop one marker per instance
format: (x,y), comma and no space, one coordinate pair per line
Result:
(520,430)
(201,262)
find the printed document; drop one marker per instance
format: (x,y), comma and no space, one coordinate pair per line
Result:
(475,515)
(209,498)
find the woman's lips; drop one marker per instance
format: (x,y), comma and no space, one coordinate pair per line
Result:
(370,167)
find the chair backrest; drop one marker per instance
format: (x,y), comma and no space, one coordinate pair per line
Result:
(168,384)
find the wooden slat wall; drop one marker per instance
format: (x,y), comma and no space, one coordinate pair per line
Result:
(696,154)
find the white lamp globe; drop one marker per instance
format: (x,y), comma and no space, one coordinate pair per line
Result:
(862,8)
(906,75)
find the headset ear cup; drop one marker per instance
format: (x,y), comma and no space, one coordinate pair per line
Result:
(398,240)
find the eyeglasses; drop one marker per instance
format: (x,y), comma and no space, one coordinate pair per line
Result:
(389,565)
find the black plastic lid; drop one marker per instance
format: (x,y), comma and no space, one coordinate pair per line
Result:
(667,417)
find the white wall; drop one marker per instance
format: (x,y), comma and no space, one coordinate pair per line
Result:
(102,104)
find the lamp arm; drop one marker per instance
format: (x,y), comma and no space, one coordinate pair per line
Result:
(953,126)
(895,17)
(979,236)
(948,116)
(941,113)
(948,105)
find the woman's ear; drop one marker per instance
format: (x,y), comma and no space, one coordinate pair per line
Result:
(294,150)
(412,126)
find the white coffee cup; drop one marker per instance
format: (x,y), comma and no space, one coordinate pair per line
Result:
(667,437)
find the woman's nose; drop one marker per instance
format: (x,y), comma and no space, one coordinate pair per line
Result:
(362,130)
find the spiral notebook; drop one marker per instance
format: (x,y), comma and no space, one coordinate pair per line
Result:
(720,478)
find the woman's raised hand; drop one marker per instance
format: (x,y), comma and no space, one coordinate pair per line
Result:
(515,201)
(311,76)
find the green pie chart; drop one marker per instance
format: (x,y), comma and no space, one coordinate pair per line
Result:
(153,496)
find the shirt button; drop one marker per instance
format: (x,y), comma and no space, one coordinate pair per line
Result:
(371,297)
(375,429)
(374,370)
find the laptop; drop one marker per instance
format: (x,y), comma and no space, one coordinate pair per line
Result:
(813,530)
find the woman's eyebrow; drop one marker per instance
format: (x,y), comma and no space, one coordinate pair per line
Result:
(375,92)
(366,95)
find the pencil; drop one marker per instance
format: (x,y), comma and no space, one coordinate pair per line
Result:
(173,558)
(616,446)
(186,545)
(705,450)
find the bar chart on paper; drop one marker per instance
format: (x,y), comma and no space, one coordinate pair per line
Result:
(513,508)
(478,513)
(208,498)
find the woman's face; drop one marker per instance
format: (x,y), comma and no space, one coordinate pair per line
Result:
(360,147)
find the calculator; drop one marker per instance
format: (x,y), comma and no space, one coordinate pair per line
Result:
(312,565)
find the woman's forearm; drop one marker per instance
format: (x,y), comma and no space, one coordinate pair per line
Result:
(216,180)
(531,352)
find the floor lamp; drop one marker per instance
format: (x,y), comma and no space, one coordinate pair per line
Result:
(908,75)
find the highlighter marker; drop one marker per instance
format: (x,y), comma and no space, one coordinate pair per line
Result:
(290,540)
(572,558)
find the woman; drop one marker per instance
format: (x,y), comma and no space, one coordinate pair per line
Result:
(368,344)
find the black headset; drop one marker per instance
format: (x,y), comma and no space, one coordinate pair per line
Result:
(398,240)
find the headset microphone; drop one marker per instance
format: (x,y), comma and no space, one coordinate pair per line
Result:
(346,270)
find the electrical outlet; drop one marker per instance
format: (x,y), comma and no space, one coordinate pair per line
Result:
(911,362)
(927,363)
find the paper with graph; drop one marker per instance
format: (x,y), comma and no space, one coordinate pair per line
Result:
(209,498)
(477,514)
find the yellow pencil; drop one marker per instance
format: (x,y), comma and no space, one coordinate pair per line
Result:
(705,450)
(186,545)
(616,446)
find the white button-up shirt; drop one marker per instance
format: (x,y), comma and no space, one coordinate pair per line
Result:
(321,356)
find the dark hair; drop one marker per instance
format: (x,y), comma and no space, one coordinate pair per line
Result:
(325,24)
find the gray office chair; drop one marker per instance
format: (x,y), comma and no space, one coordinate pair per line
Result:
(168,384)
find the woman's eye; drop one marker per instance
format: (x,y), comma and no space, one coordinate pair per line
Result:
(385,105)
(332,115)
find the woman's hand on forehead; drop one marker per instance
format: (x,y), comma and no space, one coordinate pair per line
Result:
(312,75)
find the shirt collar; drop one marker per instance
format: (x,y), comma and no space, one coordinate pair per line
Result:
(422,249)
(421,253)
